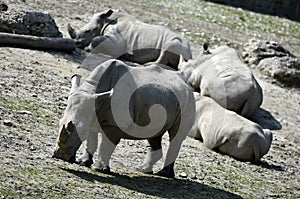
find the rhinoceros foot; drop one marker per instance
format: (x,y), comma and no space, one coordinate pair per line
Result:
(167,172)
(85,159)
(101,168)
(145,171)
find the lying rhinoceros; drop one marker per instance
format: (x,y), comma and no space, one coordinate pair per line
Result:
(221,75)
(121,35)
(145,103)
(229,133)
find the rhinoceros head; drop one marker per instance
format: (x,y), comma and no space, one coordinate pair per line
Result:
(84,36)
(68,143)
(79,117)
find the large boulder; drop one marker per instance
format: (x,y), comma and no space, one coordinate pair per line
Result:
(285,69)
(274,60)
(29,23)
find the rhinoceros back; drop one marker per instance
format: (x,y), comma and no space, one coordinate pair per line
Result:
(136,91)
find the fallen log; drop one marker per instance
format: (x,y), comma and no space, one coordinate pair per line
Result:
(34,42)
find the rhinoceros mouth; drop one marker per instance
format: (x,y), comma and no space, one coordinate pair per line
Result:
(59,154)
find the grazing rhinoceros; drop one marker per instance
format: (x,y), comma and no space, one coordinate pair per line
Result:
(144,104)
(123,36)
(221,75)
(229,133)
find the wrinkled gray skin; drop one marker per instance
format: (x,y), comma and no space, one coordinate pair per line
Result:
(221,75)
(123,36)
(229,133)
(89,111)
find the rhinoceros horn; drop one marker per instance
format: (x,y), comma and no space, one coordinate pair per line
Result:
(64,135)
(71,31)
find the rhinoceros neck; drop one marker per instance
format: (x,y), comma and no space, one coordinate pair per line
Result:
(107,24)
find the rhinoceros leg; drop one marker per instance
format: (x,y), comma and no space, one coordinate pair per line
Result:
(109,141)
(86,159)
(171,52)
(169,59)
(176,139)
(112,46)
(154,153)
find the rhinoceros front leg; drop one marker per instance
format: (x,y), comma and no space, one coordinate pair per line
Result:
(106,148)
(86,159)
(112,46)
(154,153)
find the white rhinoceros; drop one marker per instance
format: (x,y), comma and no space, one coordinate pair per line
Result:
(221,75)
(144,104)
(119,35)
(229,133)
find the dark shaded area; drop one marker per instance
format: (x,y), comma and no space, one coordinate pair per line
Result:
(269,166)
(265,120)
(3,6)
(282,8)
(156,186)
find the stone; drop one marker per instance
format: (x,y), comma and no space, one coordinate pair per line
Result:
(273,60)
(8,123)
(256,50)
(183,175)
(285,70)
(29,23)
(3,6)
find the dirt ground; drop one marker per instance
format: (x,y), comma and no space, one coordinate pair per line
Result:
(34,86)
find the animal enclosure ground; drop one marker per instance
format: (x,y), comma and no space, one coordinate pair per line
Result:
(34,86)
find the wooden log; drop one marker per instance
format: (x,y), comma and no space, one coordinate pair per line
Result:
(34,42)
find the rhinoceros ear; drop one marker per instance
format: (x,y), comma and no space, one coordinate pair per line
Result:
(71,31)
(181,60)
(75,82)
(107,14)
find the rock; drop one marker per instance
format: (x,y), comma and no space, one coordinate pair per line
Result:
(285,70)
(275,61)
(29,23)
(183,175)
(3,6)
(25,112)
(8,123)
(256,50)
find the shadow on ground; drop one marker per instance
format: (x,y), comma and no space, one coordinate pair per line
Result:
(157,186)
(266,165)
(265,120)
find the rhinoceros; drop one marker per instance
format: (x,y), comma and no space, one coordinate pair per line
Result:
(145,103)
(229,133)
(123,36)
(221,75)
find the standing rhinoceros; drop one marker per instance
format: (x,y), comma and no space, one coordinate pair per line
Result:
(144,103)
(229,133)
(123,36)
(221,75)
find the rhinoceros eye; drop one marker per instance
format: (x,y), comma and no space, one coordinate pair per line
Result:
(87,31)
(70,127)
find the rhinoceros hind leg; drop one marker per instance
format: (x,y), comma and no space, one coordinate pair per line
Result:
(154,153)
(85,159)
